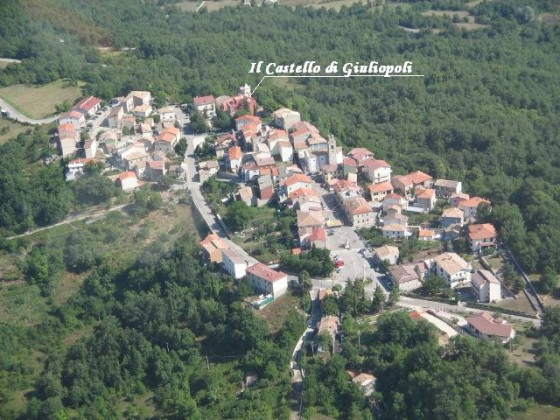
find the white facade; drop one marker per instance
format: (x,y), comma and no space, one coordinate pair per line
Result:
(234,263)
(394,231)
(267,280)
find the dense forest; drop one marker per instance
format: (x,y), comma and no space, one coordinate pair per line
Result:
(486,111)
(418,379)
(165,327)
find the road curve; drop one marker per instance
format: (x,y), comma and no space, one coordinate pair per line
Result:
(18,116)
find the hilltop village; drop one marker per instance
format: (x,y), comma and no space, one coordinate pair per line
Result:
(335,200)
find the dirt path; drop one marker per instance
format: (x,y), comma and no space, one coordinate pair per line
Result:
(98,214)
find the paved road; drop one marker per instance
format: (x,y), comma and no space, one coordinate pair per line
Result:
(413,303)
(193,185)
(18,116)
(97,214)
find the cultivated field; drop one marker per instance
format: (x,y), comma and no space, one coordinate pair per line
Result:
(40,101)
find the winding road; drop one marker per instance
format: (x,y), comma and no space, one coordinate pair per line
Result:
(18,116)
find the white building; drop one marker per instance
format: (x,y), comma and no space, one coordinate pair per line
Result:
(234,263)
(267,280)
(285,118)
(486,286)
(377,170)
(206,105)
(387,253)
(167,114)
(394,231)
(455,270)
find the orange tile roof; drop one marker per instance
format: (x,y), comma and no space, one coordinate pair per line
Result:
(127,175)
(234,152)
(426,233)
(382,187)
(418,177)
(426,193)
(302,191)
(473,202)
(482,231)
(294,179)
(168,137)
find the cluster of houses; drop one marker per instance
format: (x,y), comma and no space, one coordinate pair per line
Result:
(275,161)
(263,278)
(450,266)
(131,138)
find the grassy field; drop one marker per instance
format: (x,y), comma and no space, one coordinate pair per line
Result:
(40,101)
(10,129)
(540,412)
(521,304)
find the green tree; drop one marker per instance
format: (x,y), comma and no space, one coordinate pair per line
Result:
(198,123)
(433,284)
(378,301)
(394,295)
(548,280)
(305,281)
(181,147)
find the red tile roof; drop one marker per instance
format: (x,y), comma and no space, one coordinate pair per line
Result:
(360,153)
(318,234)
(204,100)
(349,162)
(302,191)
(487,325)
(375,164)
(262,271)
(88,103)
(67,127)
(473,202)
(250,118)
(127,175)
